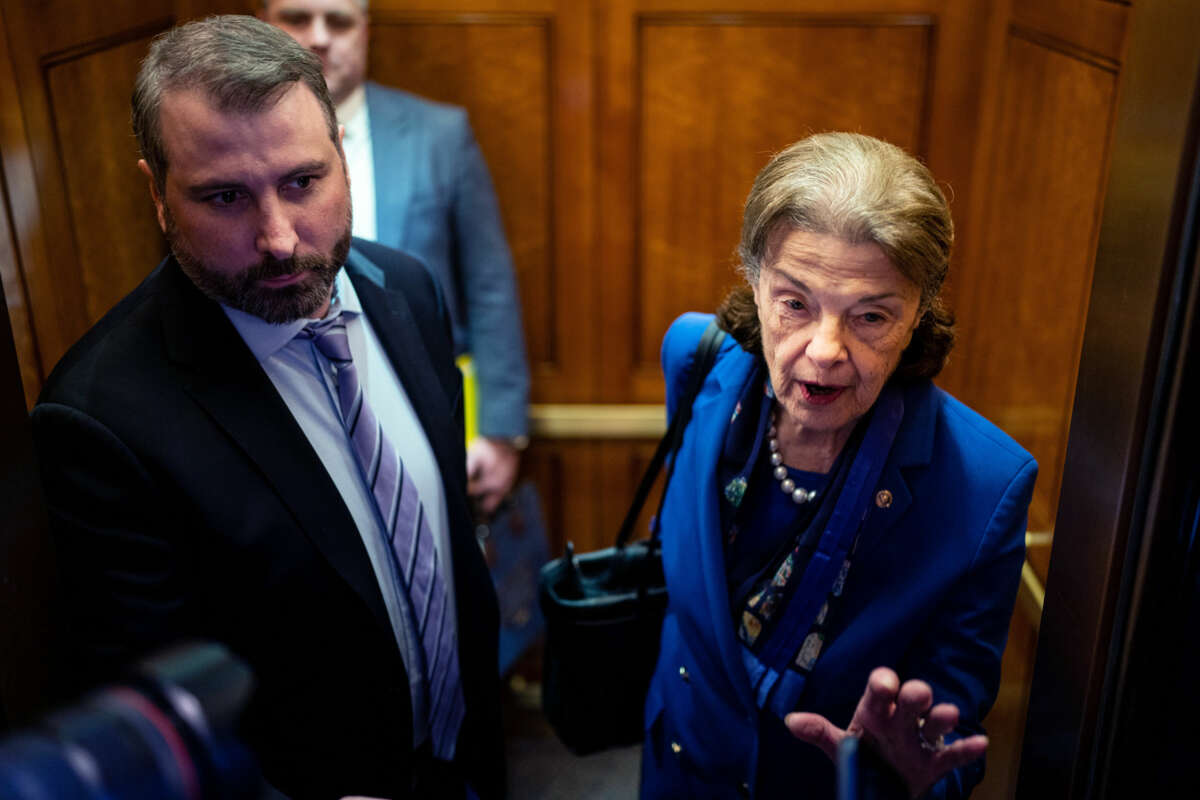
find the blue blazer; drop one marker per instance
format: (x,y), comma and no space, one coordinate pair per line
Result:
(930,594)
(434,199)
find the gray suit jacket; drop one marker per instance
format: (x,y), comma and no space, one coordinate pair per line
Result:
(434,199)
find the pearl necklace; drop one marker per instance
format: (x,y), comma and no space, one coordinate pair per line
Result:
(799,495)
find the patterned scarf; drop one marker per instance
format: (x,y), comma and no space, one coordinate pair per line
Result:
(784,611)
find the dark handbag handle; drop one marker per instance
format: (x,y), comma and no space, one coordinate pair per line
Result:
(706,354)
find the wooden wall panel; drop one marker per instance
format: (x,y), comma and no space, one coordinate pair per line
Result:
(117,237)
(587,486)
(520,70)
(1023,306)
(694,95)
(498,70)
(54,27)
(1095,26)
(22,244)
(84,224)
(717,96)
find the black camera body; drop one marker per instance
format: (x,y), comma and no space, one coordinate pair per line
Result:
(168,733)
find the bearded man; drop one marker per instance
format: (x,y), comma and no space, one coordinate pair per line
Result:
(262,444)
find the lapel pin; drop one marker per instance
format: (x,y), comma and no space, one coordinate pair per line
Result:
(883,498)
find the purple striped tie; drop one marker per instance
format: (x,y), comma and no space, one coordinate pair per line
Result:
(410,537)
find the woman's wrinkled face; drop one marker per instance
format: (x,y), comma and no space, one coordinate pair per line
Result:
(835,319)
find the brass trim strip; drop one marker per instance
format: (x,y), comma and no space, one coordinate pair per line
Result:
(1038,538)
(1032,595)
(596,421)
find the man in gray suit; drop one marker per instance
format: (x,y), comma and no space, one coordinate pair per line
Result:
(419,184)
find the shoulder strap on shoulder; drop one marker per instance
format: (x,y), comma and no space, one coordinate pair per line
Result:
(706,354)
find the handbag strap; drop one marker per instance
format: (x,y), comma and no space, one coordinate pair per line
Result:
(706,355)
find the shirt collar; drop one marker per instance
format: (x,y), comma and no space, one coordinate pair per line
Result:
(265,339)
(352,113)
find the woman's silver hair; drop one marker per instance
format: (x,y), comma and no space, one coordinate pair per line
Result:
(240,63)
(863,191)
(859,189)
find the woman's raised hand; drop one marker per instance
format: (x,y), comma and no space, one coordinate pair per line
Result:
(903,726)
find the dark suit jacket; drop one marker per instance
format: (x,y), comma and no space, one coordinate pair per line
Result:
(187,502)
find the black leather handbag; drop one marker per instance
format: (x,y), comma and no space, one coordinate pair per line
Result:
(604,610)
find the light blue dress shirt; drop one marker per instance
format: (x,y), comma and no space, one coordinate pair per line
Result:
(305,380)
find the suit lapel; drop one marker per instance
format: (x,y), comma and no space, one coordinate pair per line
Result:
(390,156)
(912,450)
(703,442)
(222,376)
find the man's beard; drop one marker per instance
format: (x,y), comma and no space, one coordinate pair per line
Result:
(276,305)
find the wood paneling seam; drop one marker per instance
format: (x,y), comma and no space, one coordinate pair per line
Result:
(105,43)
(452,18)
(777,19)
(1064,47)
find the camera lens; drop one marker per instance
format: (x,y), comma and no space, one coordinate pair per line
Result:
(169,734)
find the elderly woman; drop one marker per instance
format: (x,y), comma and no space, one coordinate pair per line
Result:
(836,524)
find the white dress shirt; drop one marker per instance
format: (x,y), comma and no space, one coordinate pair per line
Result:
(356,143)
